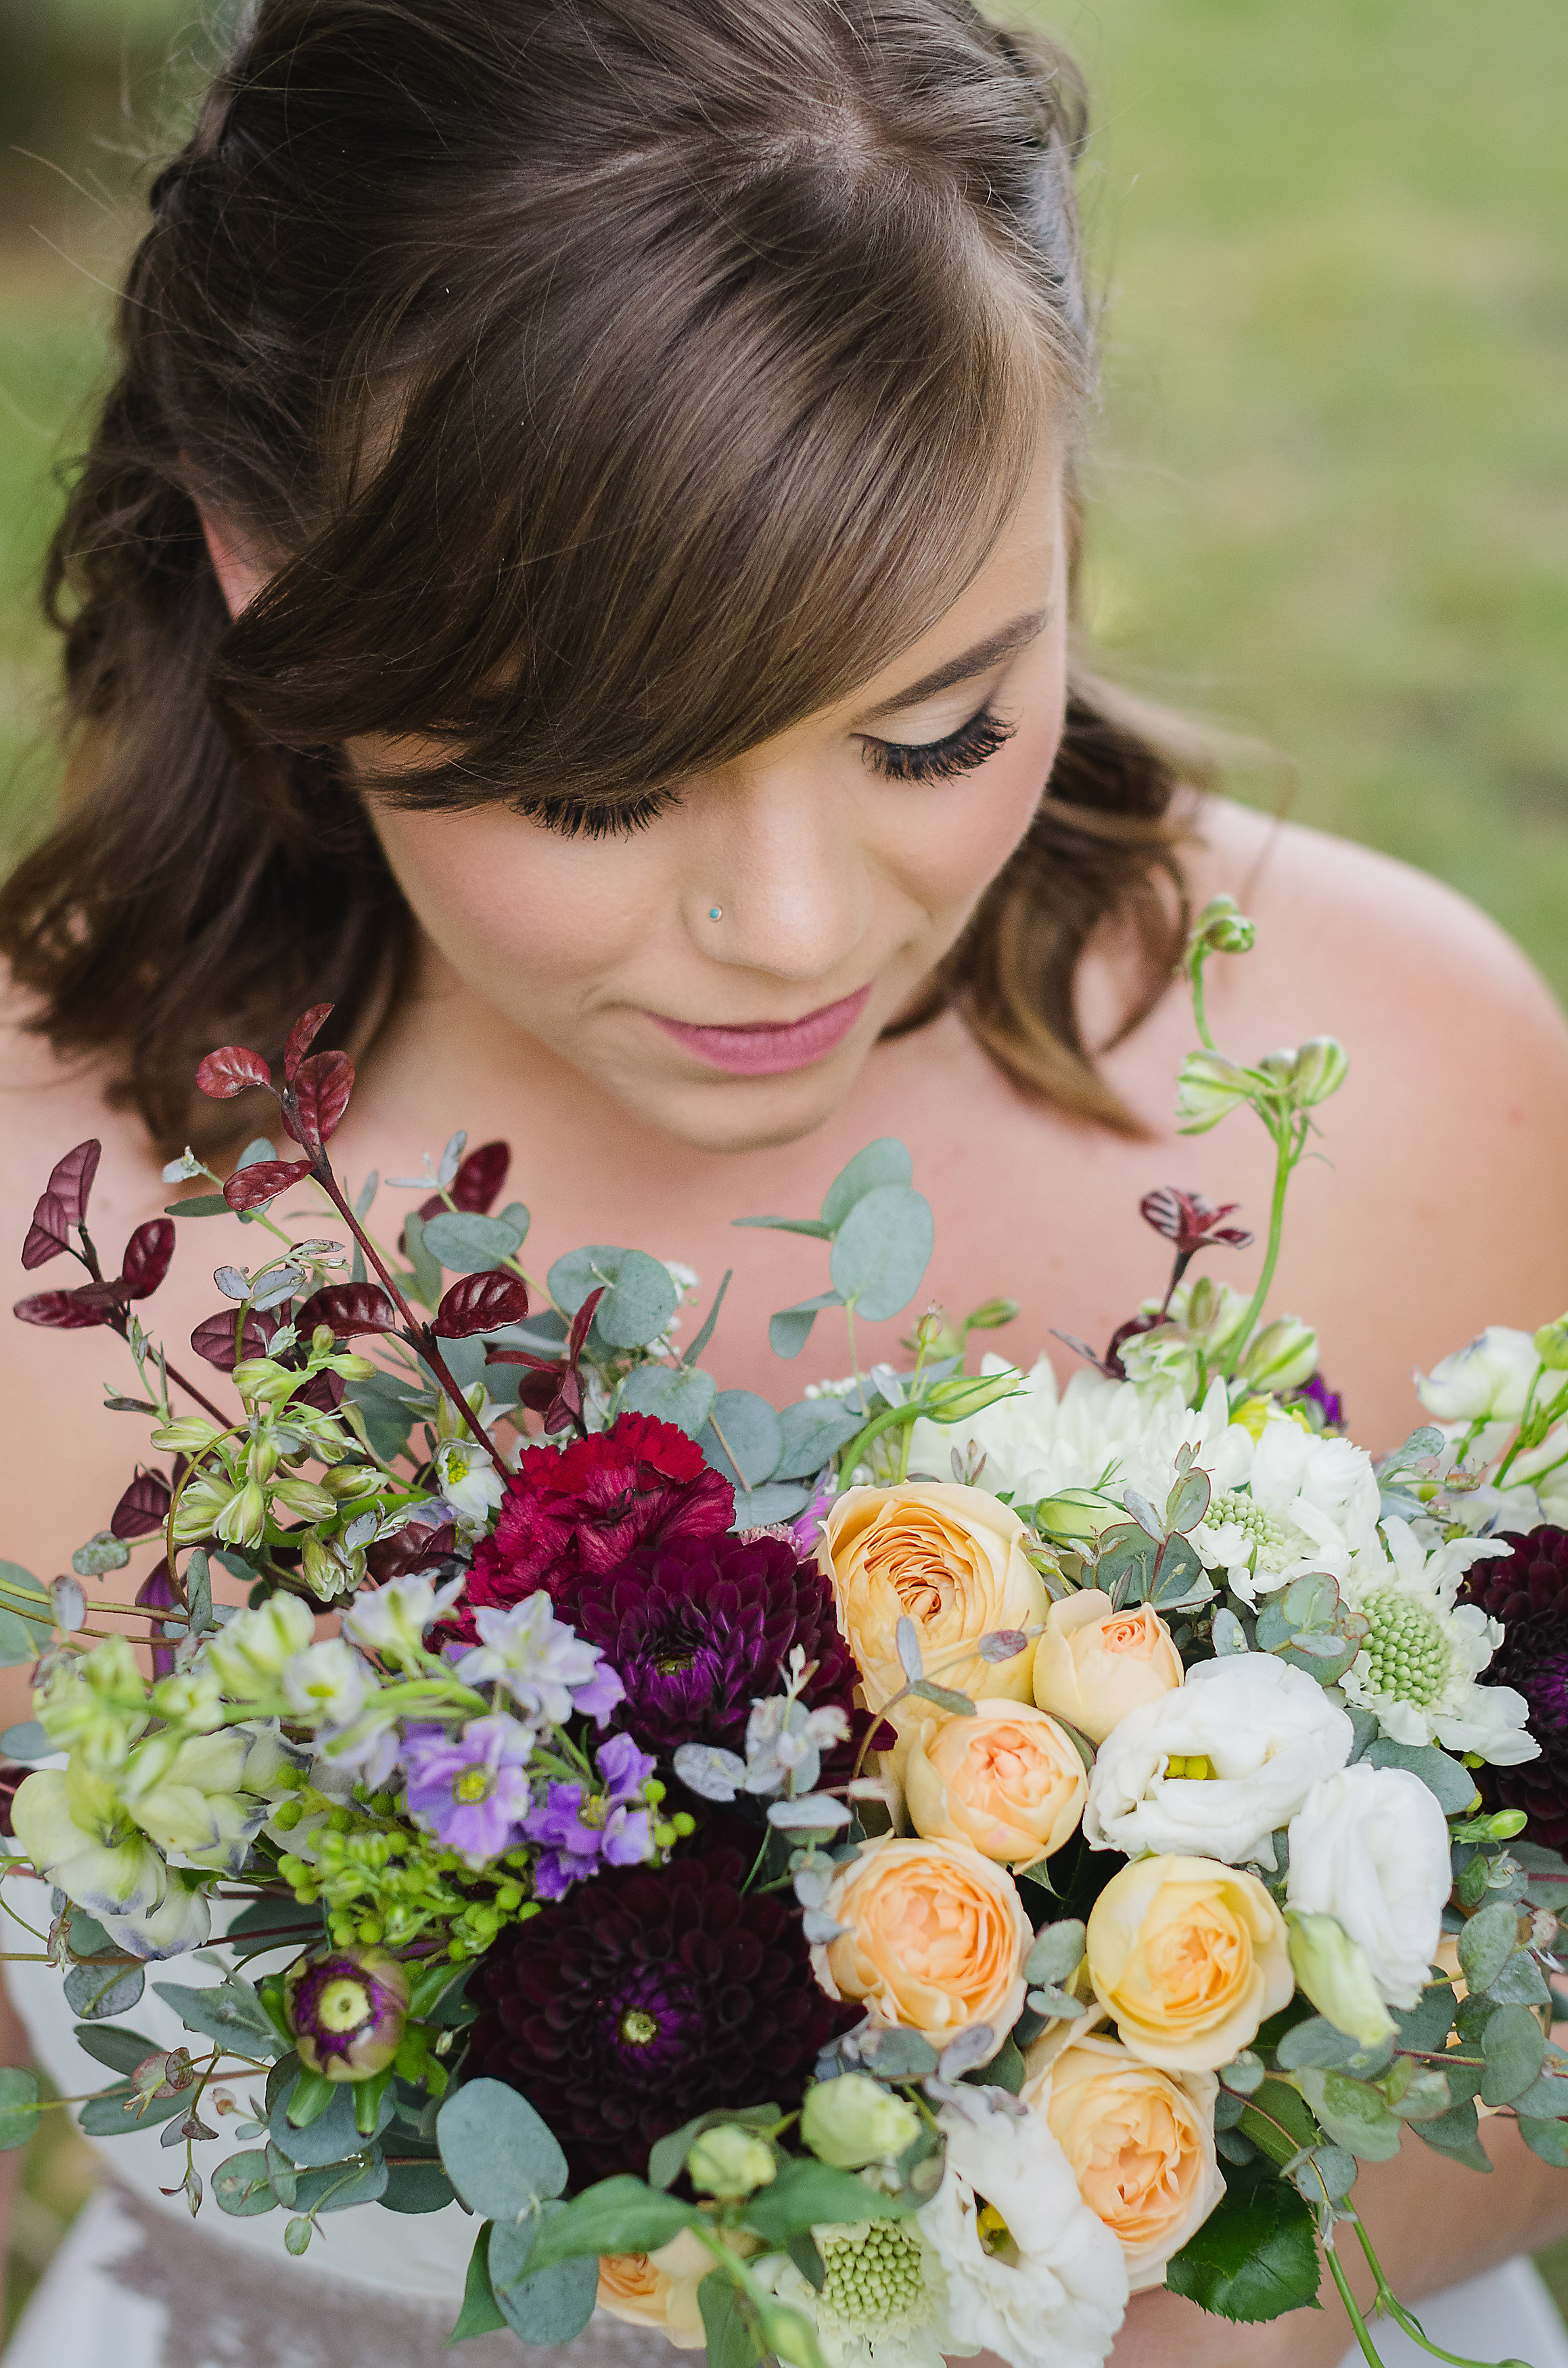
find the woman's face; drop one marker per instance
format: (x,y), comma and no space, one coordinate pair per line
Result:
(723,972)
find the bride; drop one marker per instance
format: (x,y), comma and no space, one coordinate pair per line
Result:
(577,567)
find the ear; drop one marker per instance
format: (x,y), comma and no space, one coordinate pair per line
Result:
(241,573)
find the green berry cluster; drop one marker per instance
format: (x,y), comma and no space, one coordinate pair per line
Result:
(383,1881)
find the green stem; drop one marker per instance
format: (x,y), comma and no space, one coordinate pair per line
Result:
(1369,2351)
(1288,1149)
(1388,2301)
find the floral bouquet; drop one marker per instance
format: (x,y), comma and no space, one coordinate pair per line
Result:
(872,1881)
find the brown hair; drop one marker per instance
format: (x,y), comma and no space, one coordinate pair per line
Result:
(619,382)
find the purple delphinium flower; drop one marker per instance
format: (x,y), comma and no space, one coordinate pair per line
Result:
(473,1789)
(1317,1389)
(581,1835)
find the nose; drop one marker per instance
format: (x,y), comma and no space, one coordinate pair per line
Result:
(783,883)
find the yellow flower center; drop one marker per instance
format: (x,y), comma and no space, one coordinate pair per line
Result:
(473,1784)
(638,2027)
(994,2233)
(1197,1770)
(343,2005)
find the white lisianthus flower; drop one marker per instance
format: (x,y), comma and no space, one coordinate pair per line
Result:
(193,1801)
(470,1484)
(1212,1769)
(1370,1848)
(1418,1667)
(882,2302)
(1488,1380)
(1031,2273)
(1305,1503)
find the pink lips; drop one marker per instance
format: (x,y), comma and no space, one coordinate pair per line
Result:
(770,1052)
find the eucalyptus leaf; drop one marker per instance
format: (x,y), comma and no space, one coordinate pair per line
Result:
(1454,1785)
(678,1393)
(341,2186)
(1455,2135)
(812,1433)
(757,1508)
(26,1740)
(1057,1953)
(467,1244)
(550,2305)
(638,1304)
(230,2011)
(424,1283)
(881,1250)
(788,1331)
(103,1991)
(1486,1943)
(122,2050)
(884,1162)
(745,1428)
(19,2106)
(240,2188)
(498,2154)
(480,2313)
(1226,1633)
(1547,2139)
(1515,2047)
(331,2137)
(572,1278)
(1353,2114)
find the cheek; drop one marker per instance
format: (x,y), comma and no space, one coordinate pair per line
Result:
(511,907)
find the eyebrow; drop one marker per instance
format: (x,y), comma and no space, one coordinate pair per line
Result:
(1005,643)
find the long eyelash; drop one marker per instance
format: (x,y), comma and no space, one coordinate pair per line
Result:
(941,760)
(575,818)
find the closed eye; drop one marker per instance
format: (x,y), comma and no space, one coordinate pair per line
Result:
(940,760)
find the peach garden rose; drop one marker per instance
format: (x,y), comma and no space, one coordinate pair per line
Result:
(952,1560)
(1141,2142)
(1187,1957)
(935,1938)
(1094,1664)
(1008,1780)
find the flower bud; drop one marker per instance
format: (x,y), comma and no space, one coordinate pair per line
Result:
(188,1435)
(1281,1356)
(346,2009)
(1076,1513)
(255,1645)
(1333,1970)
(1208,1087)
(243,1521)
(992,1314)
(262,1379)
(305,1501)
(1551,1346)
(730,2162)
(1322,1066)
(853,2121)
(1222,928)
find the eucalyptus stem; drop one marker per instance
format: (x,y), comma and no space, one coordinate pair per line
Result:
(1352,2309)
(1386,2300)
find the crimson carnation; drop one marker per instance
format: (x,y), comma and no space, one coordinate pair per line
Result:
(1526,1589)
(698,1628)
(576,1511)
(645,1998)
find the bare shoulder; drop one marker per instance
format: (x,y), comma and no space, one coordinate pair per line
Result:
(47,1105)
(1402,954)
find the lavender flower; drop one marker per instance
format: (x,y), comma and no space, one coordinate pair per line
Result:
(472,1790)
(543,1664)
(604,1830)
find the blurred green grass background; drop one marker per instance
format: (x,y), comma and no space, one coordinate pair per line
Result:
(1330,503)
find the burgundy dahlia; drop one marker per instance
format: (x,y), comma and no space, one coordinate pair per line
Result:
(576,1511)
(646,1998)
(1528,1591)
(701,1627)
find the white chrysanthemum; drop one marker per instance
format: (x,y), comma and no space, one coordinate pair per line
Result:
(1417,1669)
(1303,1503)
(1097,1435)
(883,2300)
(1031,2273)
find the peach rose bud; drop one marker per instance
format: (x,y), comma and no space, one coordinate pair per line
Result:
(935,1938)
(1094,1664)
(1140,2143)
(1188,1956)
(1008,1780)
(952,1560)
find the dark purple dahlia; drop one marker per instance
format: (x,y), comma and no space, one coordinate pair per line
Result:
(645,1998)
(699,1627)
(1527,1591)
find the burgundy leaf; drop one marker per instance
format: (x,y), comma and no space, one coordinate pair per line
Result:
(213,1339)
(156,1593)
(63,1311)
(320,1097)
(247,1188)
(47,1234)
(322,1391)
(146,1260)
(481,1302)
(581,1322)
(523,1356)
(411,1550)
(143,1509)
(476,1183)
(232,1070)
(302,1036)
(349,1308)
(72,1182)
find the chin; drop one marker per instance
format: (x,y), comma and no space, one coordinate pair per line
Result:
(736,1114)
